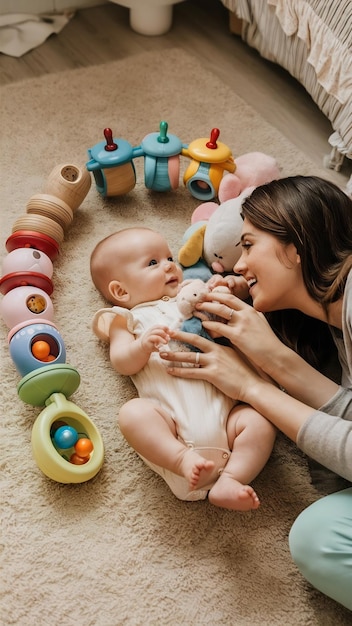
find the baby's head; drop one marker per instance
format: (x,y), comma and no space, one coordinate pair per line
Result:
(134,265)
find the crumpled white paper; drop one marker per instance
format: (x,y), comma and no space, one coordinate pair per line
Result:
(22,32)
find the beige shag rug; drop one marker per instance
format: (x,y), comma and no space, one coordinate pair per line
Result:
(120,549)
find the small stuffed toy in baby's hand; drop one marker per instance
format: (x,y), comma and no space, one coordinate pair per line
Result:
(191,293)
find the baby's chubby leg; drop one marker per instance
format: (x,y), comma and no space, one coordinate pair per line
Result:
(152,433)
(251,438)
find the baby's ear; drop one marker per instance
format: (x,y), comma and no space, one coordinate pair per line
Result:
(117,292)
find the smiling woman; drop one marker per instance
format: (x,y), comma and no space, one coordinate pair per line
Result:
(297,254)
(310,258)
(272,285)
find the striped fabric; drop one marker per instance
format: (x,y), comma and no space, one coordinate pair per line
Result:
(312,40)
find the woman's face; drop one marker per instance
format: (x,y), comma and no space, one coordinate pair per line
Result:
(271,269)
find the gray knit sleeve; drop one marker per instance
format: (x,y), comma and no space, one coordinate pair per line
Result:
(326,436)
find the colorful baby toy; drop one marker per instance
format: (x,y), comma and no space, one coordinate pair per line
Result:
(66,445)
(209,160)
(111,163)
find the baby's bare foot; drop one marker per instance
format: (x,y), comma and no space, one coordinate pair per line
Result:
(231,494)
(196,469)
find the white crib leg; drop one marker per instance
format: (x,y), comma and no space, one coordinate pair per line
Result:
(149,19)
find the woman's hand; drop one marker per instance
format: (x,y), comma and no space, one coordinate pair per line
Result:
(252,336)
(246,329)
(222,366)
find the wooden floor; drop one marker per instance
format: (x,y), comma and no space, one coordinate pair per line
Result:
(201,27)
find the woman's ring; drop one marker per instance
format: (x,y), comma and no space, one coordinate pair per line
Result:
(231,314)
(197,359)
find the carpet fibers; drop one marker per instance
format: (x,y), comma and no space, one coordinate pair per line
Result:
(120,549)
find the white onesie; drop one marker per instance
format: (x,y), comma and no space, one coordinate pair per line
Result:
(199,410)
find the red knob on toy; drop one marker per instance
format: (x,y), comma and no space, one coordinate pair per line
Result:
(214,135)
(110,144)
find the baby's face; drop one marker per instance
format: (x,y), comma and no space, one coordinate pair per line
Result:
(148,271)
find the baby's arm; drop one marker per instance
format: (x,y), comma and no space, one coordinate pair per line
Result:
(129,355)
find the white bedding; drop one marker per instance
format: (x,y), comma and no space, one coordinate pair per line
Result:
(312,40)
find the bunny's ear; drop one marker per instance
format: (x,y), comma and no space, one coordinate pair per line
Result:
(230,187)
(203,212)
(192,250)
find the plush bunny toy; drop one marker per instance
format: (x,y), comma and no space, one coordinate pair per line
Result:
(209,244)
(192,292)
(212,247)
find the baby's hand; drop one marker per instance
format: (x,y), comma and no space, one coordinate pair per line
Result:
(217,281)
(154,338)
(237,285)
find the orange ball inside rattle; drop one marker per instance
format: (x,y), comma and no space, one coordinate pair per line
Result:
(41,350)
(78,460)
(83,447)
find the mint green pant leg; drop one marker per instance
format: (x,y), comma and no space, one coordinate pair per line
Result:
(320,541)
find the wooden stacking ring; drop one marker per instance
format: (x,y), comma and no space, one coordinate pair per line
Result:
(41,224)
(51,207)
(70,183)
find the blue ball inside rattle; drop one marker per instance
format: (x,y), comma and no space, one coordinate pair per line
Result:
(65,437)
